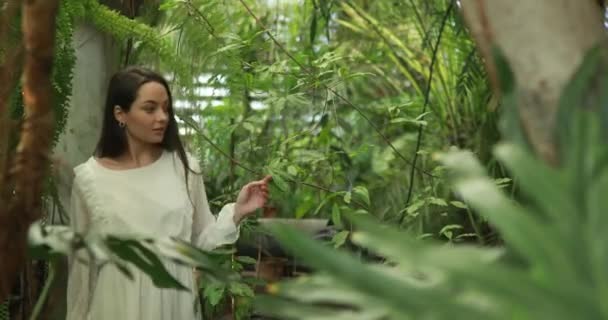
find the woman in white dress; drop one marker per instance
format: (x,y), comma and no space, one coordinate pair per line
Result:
(141,182)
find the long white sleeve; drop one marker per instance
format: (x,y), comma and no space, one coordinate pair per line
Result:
(208,232)
(80,281)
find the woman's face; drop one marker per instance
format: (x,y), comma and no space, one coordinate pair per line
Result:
(147,120)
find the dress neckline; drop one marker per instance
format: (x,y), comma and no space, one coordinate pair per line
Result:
(138,169)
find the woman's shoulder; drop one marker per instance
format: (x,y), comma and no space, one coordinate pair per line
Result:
(83,174)
(97,167)
(109,163)
(83,167)
(192,160)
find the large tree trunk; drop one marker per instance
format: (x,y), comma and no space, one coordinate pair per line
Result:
(10,71)
(544,42)
(28,170)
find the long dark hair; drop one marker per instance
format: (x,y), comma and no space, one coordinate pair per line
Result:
(122,91)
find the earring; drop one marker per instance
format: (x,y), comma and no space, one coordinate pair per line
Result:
(121,124)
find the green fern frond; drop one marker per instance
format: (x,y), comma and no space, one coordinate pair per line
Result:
(123,29)
(63,66)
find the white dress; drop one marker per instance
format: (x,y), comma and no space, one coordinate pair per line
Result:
(150,201)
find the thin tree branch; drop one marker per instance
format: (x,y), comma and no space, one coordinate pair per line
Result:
(427,95)
(388,43)
(348,102)
(420,21)
(258,172)
(211,30)
(202,17)
(44,295)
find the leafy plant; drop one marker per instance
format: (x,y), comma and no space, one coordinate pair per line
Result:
(555,255)
(327,97)
(333,108)
(125,253)
(235,295)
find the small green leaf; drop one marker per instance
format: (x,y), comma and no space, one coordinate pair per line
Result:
(411,209)
(278,181)
(249,127)
(424,236)
(240,289)
(232,46)
(347,197)
(459,204)
(213,293)
(340,238)
(450,227)
(335,216)
(324,202)
(502,180)
(423,152)
(304,207)
(362,193)
(292,170)
(168,5)
(407,120)
(360,212)
(422,115)
(245,260)
(466,235)
(438,201)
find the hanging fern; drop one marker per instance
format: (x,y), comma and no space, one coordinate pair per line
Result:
(75,8)
(108,21)
(63,66)
(123,29)
(4,315)
(63,69)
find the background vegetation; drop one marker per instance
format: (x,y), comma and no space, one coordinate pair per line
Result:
(339,100)
(350,105)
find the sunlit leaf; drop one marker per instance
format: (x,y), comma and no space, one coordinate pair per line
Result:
(340,238)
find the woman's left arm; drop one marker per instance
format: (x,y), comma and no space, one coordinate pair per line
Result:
(209,232)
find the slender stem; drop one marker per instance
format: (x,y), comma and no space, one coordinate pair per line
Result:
(251,170)
(387,42)
(216,147)
(348,102)
(259,22)
(427,95)
(201,16)
(420,21)
(475,226)
(45,292)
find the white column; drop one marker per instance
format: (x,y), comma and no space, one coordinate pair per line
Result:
(97,59)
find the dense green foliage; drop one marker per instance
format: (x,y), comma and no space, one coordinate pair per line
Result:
(338,100)
(343,102)
(348,104)
(555,253)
